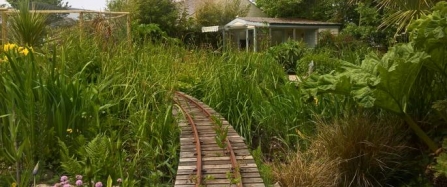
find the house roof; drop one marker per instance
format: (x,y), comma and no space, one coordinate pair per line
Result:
(294,21)
(191,6)
(247,22)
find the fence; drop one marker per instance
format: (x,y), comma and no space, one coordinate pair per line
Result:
(5,13)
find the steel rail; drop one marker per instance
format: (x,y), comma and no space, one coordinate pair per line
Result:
(235,167)
(197,140)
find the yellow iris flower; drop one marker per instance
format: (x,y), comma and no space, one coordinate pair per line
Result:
(22,50)
(9,46)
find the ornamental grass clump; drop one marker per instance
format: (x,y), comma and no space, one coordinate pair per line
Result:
(349,152)
(307,169)
(371,152)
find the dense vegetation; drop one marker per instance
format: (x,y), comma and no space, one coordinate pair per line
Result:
(361,115)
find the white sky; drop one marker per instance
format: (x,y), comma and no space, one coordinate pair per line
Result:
(82,4)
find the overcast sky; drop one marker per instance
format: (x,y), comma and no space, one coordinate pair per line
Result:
(82,4)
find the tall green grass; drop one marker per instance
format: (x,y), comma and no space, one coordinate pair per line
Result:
(252,92)
(74,91)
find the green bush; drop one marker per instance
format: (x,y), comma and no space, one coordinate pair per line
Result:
(323,63)
(288,53)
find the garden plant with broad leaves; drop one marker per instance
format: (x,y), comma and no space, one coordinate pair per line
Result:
(392,82)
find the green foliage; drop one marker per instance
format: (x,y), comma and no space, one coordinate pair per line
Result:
(27,28)
(95,160)
(404,12)
(212,13)
(288,53)
(440,108)
(283,8)
(385,83)
(323,63)
(340,11)
(119,5)
(252,93)
(19,93)
(264,168)
(428,35)
(343,46)
(366,28)
(221,132)
(161,12)
(150,32)
(75,91)
(58,3)
(406,79)
(320,10)
(440,167)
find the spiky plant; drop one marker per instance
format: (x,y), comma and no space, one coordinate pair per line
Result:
(27,27)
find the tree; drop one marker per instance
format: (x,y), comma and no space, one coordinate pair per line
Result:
(365,26)
(219,12)
(340,11)
(122,5)
(407,11)
(45,5)
(42,4)
(283,8)
(401,12)
(164,13)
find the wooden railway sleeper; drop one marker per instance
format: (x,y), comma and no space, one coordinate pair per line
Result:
(235,166)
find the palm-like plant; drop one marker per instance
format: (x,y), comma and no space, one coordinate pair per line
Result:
(27,28)
(402,12)
(407,11)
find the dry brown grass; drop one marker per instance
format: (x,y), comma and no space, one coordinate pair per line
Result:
(307,169)
(356,151)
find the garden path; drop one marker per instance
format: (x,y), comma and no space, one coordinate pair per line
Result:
(221,157)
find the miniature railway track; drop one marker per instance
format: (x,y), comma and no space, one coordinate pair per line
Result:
(202,161)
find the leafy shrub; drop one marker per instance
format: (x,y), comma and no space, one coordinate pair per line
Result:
(438,171)
(264,169)
(323,63)
(288,53)
(343,46)
(96,160)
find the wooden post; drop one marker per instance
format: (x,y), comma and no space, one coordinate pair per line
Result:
(223,40)
(4,27)
(246,39)
(81,25)
(129,34)
(255,42)
(294,34)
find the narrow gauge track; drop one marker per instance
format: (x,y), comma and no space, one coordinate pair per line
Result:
(202,161)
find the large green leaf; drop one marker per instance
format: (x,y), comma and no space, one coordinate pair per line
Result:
(397,74)
(430,35)
(382,82)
